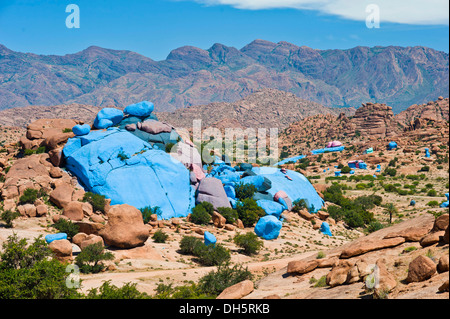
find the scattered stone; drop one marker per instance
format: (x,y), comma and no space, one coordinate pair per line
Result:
(420,269)
(302,266)
(125,227)
(362,247)
(62,249)
(237,291)
(443,264)
(431,238)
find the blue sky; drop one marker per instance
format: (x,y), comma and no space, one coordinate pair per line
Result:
(155,27)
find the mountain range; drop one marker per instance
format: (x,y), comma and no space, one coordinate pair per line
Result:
(397,76)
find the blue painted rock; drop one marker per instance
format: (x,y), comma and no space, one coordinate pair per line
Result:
(268,227)
(80,130)
(210,239)
(141,109)
(108,117)
(53,237)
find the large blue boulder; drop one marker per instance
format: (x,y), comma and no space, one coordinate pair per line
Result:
(80,130)
(209,238)
(126,169)
(261,183)
(141,109)
(271,207)
(268,227)
(108,117)
(298,187)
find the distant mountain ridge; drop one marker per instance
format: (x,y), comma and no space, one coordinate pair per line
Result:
(397,76)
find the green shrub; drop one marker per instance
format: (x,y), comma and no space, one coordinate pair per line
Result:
(374,226)
(199,215)
(433,203)
(299,205)
(320,255)
(97,201)
(190,291)
(250,242)
(148,211)
(244,191)
(249,212)
(188,244)
(8,217)
(27,273)
(390,171)
(66,226)
(91,258)
(424,169)
(29,196)
(432,192)
(345,170)
(229,214)
(211,255)
(208,207)
(107,291)
(322,282)
(225,276)
(160,237)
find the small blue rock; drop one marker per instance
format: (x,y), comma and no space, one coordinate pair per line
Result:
(325,229)
(108,117)
(80,130)
(210,239)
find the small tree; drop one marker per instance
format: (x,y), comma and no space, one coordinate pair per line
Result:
(250,242)
(160,237)
(91,258)
(200,216)
(244,191)
(97,201)
(8,216)
(66,226)
(249,212)
(390,210)
(29,196)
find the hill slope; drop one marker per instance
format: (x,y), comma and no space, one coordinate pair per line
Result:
(398,76)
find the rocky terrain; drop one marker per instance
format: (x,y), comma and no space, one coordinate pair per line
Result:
(268,108)
(397,76)
(407,258)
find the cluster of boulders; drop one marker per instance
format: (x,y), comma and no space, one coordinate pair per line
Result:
(353,263)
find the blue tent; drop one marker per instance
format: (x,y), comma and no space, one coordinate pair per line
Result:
(126,169)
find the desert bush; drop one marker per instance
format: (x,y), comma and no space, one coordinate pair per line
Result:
(211,255)
(66,226)
(244,191)
(249,212)
(432,192)
(374,226)
(26,272)
(188,244)
(29,196)
(148,211)
(299,205)
(160,237)
(199,215)
(390,171)
(433,203)
(229,214)
(97,201)
(107,291)
(225,276)
(345,170)
(8,217)
(250,242)
(91,258)
(425,168)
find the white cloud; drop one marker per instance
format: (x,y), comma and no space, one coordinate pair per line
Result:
(423,12)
